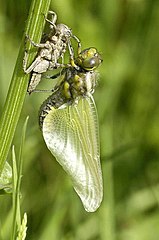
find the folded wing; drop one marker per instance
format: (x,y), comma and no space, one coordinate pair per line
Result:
(71,134)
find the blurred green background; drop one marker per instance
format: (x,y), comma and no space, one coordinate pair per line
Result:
(126,32)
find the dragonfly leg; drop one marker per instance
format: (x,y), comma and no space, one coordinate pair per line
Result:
(54,76)
(53,19)
(39,45)
(79,44)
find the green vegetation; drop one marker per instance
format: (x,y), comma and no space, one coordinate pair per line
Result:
(126,33)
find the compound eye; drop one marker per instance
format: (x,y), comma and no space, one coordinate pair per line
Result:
(91,63)
(89,59)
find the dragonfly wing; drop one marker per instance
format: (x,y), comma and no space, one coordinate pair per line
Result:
(71,134)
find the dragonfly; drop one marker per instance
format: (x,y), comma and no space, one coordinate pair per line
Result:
(51,49)
(69,123)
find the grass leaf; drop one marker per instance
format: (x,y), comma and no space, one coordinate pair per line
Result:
(19,82)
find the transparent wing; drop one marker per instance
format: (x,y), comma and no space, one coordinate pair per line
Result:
(71,134)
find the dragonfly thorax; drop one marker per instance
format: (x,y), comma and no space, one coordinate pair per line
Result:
(78,83)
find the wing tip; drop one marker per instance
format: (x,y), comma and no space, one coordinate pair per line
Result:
(91,202)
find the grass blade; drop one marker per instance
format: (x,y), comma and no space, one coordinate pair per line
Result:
(17,174)
(18,86)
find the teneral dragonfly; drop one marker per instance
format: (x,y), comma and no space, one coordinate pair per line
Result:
(69,123)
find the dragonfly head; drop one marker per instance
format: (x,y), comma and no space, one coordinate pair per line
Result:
(89,59)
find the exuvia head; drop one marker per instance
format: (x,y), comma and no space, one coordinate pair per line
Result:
(63,30)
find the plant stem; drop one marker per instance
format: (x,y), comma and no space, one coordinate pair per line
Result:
(17,175)
(19,82)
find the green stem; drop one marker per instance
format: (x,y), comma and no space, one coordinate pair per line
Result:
(108,210)
(18,87)
(17,175)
